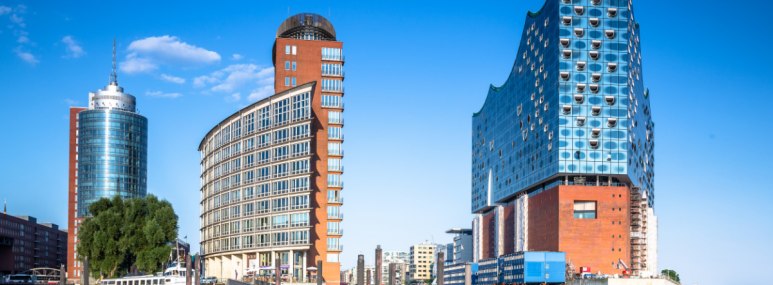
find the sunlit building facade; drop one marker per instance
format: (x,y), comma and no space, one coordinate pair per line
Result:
(108,147)
(271,173)
(562,155)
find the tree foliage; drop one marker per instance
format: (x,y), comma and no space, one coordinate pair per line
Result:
(123,234)
(671,274)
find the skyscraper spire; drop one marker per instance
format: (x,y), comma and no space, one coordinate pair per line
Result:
(114,74)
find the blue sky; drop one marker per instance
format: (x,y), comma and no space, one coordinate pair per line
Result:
(416,71)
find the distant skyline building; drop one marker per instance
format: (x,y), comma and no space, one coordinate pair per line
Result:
(399,259)
(26,244)
(271,173)
(461,248)
(108,156)
(421,262)
(378,265)
(562,152)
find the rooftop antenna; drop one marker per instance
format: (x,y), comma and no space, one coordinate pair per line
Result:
(114,74)
(5,206)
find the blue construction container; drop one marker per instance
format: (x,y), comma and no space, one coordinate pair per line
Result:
(533,267)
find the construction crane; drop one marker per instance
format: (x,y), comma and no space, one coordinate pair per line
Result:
(626,272)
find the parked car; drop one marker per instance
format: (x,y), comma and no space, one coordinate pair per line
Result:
(208,280)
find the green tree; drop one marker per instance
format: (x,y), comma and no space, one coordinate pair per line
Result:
(671,274)
(123,234)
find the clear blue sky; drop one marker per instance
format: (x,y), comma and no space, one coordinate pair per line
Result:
(415,74)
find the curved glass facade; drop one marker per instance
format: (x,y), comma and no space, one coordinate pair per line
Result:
(257,181)
(112,156)
(573,105)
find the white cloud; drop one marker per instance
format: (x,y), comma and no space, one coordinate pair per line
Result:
(240,74)
(149,53)
(134,64)
(160,94)
(18,29)
(261,92)
(238,78)
(22,37)
(234,97)
(172,79)
(74,50)
(71,102)
(237,57)
(18,20)
(204,80)
(26,56)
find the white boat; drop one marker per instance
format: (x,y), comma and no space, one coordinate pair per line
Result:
(172,275)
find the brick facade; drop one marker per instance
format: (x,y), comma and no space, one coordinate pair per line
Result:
(307,60)
(73,268)
(596,243)
(26,244)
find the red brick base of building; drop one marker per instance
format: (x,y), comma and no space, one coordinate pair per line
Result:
(599,242)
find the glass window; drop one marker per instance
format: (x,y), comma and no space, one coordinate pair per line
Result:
(299,237)
(335,133)
(334,164)
(333,244)
(332,85)
(287,65)
(279,204)
(584,209)
(281,111)
(300,149)
(299,220)
(335,117)
(334,148)
(334,180)
(299,202)
(300,108)
(333,101)
(332,54)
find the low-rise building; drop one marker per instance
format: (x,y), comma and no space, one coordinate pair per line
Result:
(27,244)
(399,258)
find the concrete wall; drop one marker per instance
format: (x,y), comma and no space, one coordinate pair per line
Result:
(621,282)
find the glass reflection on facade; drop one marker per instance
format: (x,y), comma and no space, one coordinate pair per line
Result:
(112,148)
(573,105)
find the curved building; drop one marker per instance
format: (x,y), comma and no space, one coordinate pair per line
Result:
(108,157)
(271,173)
(562,152)
(112,148)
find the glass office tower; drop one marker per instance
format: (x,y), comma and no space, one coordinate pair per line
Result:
(112,148)
(564,147)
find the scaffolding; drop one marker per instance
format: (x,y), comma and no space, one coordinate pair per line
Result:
(638,231)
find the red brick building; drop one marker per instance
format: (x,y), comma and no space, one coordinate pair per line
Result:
(26,244)
(73,265)
(294,138)
(306,50)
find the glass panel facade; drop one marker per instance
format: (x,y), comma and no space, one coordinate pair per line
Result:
(112,156)
(573,105)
